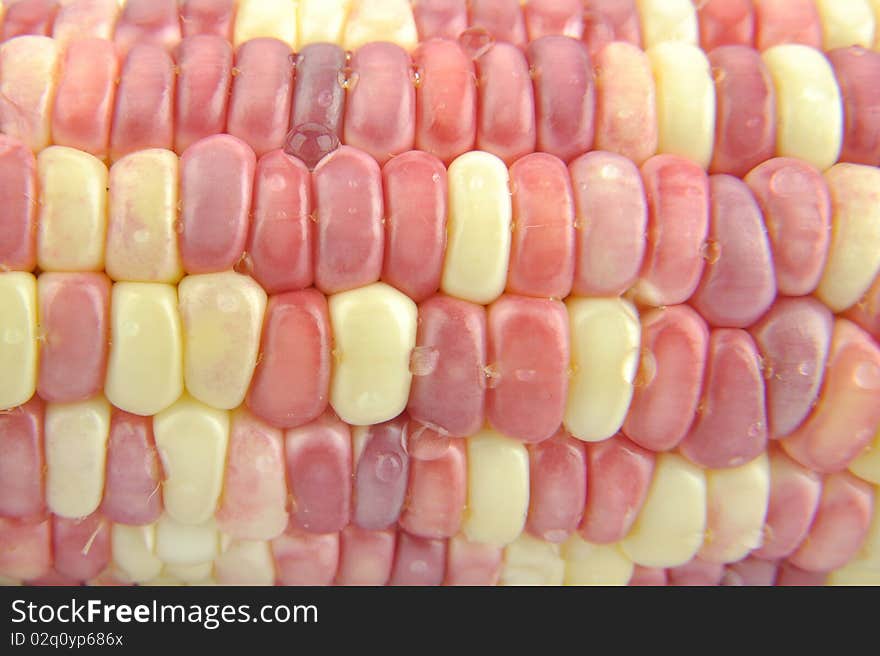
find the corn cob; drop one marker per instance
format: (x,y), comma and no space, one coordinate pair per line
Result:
(688,415)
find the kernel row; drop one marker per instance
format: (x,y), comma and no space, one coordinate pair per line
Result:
(118,554)
(728,110)
(185,485)
(357,557)
(824,24)
(663,234)
(528,366)
(163,23)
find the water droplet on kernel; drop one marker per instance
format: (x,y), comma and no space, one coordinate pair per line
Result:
(710,251)
(324,99)
(310,142)
(347,78)
(245,264)
(423,360)
(767,367)
(864,436)
(867,376)
(475,41)
(806,368)
(435,177)
(609,172)
(789,181)
(276,182)
(647,369)
(388,467)
(493,375)
(556,536)
(365,399)
(426,442)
